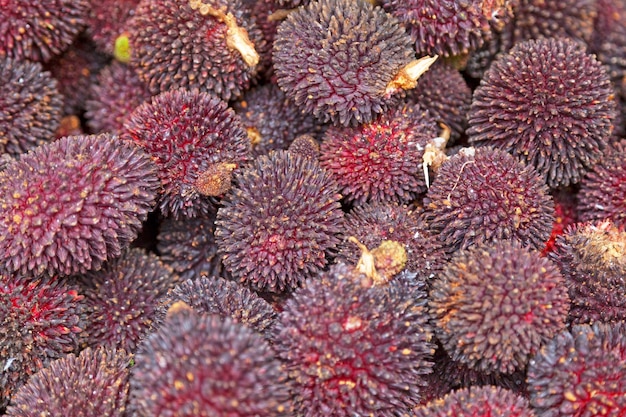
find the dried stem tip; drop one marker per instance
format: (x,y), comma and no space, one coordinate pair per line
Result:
(216,180)
(383,262)
(366,261)
(279,15)
(176,308)
(390,258)
(435,152)
(254,135)
(604,242)
(408,75)
(236,37)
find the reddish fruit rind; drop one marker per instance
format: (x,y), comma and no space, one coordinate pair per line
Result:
(187,132)
(207,365)
(352,349)
(603,190)
(69,206)
(281,222)
(272,120)
(380,161)
(317,65)
(41,321)
(484,195)
(215,295)
(94,383)
(449,28)
(487,401)
(122,299)
(39,30)
(581,372)
(562,124)
(188,246)
(116,92)
(30,106)
(373,223)
(592,257)
(495,305)
(174,46)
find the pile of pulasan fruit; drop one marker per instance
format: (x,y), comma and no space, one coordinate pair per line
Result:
(311,208)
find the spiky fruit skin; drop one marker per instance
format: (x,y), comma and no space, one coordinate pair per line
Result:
(487,195)
(215,295)
(292,4)
(5,160)
(107,19)
(495,305)
(602,192)
(94,383)
(445,28)
(187,132)
(536,19)
(40,321)
(37,31)
(30,106)
(445,94)
(449,375)
(609,44)
(271,120)
(69,206)
(317,65)
(371,224)
(592,257)
(305,145)
(76,70)
(352,349)
(478,61)
(174,46)
(123,297)
(581,372)
(206,365)
(562,124)
(380,161)
(280,222)
(487,401)
(565,214)
(188,246)
(619,123)
(114,95)
(609,15)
